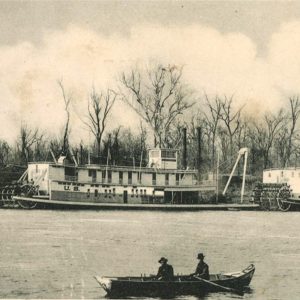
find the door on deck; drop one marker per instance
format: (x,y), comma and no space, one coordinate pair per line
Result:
(125,196)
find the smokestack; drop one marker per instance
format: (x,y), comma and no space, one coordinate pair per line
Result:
(199,135)
(184,152)
(81,154)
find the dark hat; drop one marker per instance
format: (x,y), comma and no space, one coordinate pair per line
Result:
(163,259)
(200,255)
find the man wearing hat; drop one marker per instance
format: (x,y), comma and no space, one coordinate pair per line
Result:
(202,269)
(165,271)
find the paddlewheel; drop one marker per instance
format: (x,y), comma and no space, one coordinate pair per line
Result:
(9,191)
(6,195)
(272,196)
(28,190)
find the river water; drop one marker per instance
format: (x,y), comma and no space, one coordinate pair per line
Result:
(55,254)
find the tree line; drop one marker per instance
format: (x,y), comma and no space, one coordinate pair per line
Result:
(165,105)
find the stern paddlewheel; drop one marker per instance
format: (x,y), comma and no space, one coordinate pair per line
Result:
(283,195)
(28,191)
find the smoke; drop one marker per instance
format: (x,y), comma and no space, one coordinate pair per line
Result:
(214,63)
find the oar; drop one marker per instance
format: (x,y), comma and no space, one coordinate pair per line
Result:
(221,287)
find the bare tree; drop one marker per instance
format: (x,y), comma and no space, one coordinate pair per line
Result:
(28,137)
(263,134)
(231,119)
(4,152)
(158,100)
(99,107)
(295,113)
(212,121)
(67,100)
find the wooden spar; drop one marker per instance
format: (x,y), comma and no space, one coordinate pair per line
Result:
(231,174)
(244,175)
(53,156)
(242,151)
(221,287)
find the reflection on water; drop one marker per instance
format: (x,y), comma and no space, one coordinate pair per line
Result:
(55,254)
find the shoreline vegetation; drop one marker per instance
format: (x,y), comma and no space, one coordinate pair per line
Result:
(165,105)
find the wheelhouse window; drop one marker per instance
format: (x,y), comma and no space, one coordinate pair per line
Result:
(168,155)
(70,174)
(120,177)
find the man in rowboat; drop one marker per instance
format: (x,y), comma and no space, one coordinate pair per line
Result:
(165,271)
(202,269)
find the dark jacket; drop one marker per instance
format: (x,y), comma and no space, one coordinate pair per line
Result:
(165,272)
(202,270)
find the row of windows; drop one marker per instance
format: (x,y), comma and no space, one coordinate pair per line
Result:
(93,174)
(282,174)
(70,183)
(108,191)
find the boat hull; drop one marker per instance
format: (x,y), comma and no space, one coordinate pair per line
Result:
(181,285)
(42,202)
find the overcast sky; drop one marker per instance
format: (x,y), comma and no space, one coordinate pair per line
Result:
(249,49)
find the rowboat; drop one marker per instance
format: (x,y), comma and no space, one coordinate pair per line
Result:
(148,286)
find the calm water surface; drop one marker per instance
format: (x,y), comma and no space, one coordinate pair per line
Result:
(55,254)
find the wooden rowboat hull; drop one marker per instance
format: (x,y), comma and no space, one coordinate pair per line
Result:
(181,285)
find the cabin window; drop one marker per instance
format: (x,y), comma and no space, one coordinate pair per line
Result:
(270,174)
(92,173)
(137,192)
(96,193)
(105,192)
(88,193)
(114,191)
(167,179)
(76,189)
(281,173)
(141,191)
(139,174)
(153,178)
(120,177)
(129,177)
(145,192)
(103,175)
(109,176)
(177,179)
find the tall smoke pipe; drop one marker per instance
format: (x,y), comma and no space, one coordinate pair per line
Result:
(184,152)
